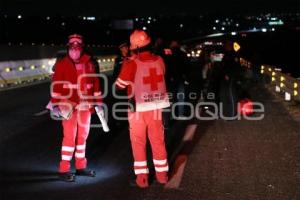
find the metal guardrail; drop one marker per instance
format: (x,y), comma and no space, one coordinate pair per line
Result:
(283,83)
(14,73)
(106,63)
(24,71)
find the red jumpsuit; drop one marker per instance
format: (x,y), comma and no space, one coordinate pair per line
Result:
(144,76)
(74,86)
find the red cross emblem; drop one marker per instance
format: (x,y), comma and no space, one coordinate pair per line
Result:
(153,79)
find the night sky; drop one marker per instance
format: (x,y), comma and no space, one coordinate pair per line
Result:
(127,7)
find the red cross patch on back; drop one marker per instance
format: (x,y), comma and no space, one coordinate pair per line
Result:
(153,79)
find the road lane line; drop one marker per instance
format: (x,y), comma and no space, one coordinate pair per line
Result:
(181,159)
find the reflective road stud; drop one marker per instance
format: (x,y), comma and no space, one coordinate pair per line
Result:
(287,96)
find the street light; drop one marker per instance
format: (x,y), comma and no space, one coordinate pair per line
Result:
(264,30)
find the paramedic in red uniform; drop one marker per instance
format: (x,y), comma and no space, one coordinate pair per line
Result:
(143,76)
(74,94)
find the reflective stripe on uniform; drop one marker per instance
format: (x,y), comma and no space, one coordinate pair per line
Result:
(75,86)
(120,85)
(80,147)
(97,93)
(122,82)
(141,171)
(68,149)
(70,86)
(79,155)
(160,162)
(162,169)
(65,157)
(140,163)
(55,94)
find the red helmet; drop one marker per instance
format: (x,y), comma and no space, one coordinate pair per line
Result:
(75,40)
(139,39)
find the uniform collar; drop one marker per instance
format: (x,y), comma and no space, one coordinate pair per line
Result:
(145,55)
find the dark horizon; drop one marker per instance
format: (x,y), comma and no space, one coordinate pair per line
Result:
(138,8)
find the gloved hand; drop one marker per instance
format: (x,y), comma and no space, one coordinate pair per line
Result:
(56,112)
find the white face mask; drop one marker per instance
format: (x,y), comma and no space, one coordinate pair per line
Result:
(75,54)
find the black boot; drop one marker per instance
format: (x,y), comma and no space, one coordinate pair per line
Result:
(67,177)
(85,172)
